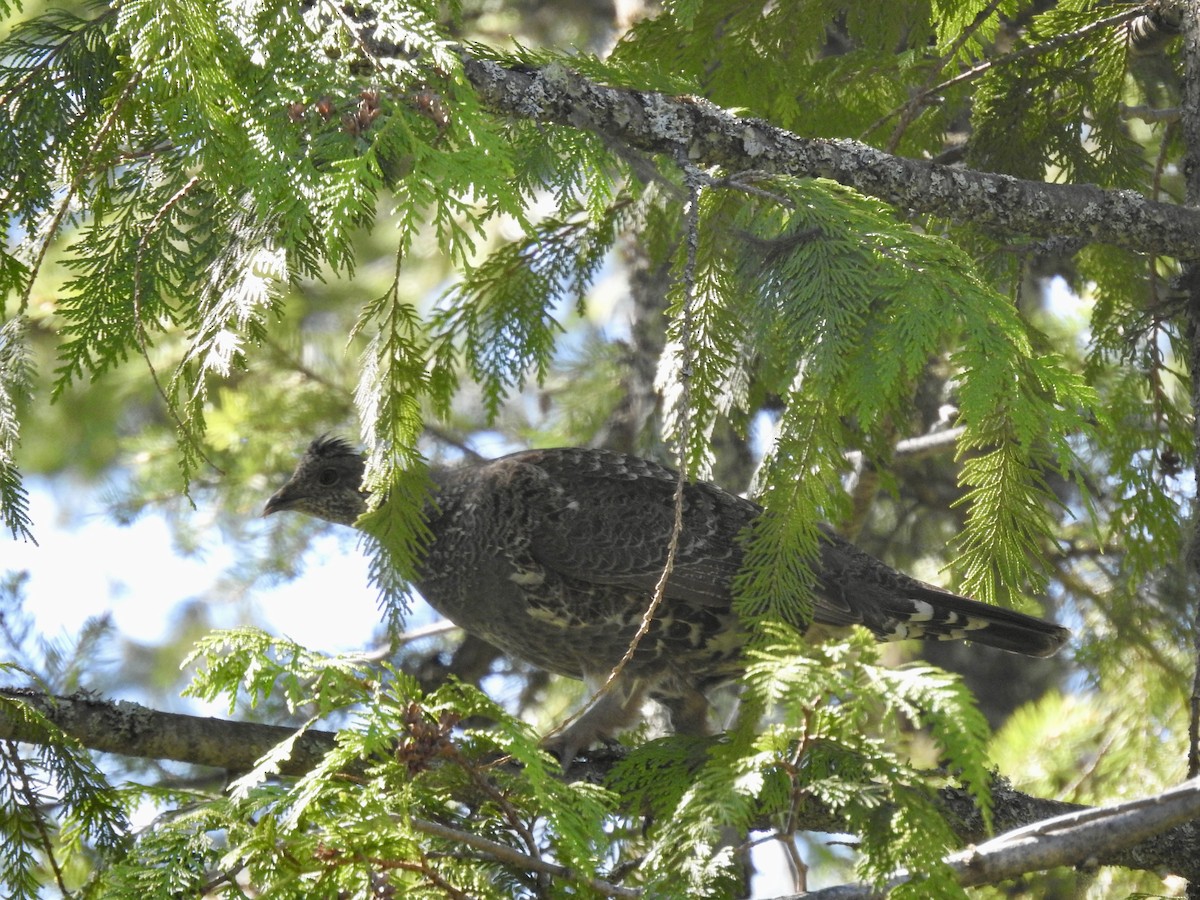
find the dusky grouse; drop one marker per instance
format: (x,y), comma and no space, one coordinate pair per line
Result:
(553,557)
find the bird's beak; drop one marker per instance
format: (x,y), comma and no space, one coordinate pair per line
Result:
(281,500)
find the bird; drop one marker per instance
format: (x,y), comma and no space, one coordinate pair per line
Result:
(553,556)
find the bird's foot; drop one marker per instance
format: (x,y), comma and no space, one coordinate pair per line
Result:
(605,715)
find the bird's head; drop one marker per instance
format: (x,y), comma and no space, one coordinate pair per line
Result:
(327,483)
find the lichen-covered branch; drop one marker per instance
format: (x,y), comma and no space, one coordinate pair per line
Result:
(135,730)
(1076,838)
(695,130)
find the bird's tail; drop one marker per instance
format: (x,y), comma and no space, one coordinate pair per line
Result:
(933,614)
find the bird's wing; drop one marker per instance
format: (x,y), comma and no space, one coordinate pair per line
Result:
(606,518)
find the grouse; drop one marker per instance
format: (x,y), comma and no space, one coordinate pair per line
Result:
(553,557)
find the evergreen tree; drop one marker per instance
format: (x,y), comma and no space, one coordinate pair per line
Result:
(233,226)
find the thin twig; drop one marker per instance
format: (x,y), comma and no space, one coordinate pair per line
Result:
(359,33)
(502,803)
(31,800)
(140,332)
(433,629)
(915,448)
(910,110)
(1151,115)
(506,854)
(297,366)
(228,876)
(1038,49)
(692,216)
(73,188)
(450,439)
(695,182)
(1031,50)
(795,862)
(744,182)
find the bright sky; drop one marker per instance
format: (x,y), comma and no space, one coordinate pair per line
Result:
(84,565)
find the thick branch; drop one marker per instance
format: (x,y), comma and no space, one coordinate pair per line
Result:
(1077,838)
(134,730)
(692,129)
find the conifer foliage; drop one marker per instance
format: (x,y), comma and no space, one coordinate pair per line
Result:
(268,219)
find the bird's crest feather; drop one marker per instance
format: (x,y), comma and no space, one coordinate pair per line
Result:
(328,445)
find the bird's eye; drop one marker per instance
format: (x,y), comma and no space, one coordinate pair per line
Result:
(328,477)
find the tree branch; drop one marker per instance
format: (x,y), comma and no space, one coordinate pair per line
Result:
(694,129)
(134,730)
(1077,838)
